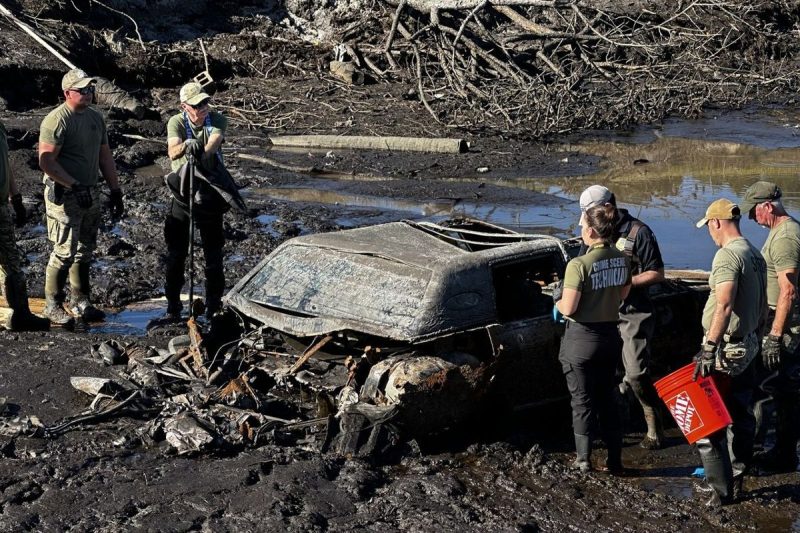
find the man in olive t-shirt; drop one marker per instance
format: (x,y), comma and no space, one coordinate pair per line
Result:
(762,202)
(732,321)
(198,131)
(73,148)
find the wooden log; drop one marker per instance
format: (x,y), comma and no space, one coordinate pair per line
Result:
(400,144)
(306,356)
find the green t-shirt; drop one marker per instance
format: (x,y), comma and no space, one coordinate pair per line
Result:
(739,262)
(599,275)
(176,128)
(79,136)
(4,165)
(781,252)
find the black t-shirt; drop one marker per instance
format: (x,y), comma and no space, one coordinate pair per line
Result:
(646,255)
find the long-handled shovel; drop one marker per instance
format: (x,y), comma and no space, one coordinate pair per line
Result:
(190,162)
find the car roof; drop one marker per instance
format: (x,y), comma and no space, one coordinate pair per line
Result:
(403,280)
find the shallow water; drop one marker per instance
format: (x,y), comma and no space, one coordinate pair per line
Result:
(666,176)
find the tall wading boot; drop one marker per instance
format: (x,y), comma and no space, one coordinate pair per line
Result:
(613,440)
(717,464)
(648,399)
(54,282)
(21,318)
(782,457)
(80,302)
(583,449)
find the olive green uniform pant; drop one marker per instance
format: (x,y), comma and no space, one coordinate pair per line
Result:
(73,232)
(11,276)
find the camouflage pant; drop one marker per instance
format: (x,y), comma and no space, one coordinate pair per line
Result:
(71,229)
(10,260)
(735,357)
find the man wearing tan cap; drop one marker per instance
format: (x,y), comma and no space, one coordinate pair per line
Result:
(73,151)
(638,242)
(198,132)
(732,321)
(762,202)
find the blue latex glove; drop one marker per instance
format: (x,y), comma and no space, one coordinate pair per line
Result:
(558,318)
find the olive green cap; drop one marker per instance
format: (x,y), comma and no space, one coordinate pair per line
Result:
(760,191)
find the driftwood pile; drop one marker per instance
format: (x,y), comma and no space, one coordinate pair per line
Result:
(554,66)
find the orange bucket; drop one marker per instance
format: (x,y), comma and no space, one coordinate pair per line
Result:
(696,406)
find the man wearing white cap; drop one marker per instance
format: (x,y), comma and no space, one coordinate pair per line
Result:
(73,151)
(637,241)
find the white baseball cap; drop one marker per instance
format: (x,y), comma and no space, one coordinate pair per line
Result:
(593,196)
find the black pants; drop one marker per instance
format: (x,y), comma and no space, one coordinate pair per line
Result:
(589,357)
(176,235)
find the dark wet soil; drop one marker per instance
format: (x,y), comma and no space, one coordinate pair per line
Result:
(513,476)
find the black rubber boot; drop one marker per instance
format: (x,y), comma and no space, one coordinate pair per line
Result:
(717,464)
(21,318)
(613,440)
(583,449)
(782,457)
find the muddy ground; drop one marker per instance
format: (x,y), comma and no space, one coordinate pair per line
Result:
(506,475)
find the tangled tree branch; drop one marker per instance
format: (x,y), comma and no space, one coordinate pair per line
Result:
(552,66)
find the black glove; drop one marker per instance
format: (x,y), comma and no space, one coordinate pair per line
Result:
(83,195)
(705,360)
(20,213)
(558,291)
(771,351)
(193,147)
(115,204)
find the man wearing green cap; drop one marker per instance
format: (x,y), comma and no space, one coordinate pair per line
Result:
(732,321)
(762,202)
(11,276)
(73,150)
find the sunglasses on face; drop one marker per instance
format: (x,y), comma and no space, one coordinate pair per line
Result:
(84,90)
(201,105)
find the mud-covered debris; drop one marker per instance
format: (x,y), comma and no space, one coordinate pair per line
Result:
(26,425)
(111,352)
(187,434)
(94,386)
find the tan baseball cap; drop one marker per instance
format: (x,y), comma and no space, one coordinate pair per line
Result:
(722,209)
(192,94)
(76,79)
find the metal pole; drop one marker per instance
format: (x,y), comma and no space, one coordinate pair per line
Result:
(190,160)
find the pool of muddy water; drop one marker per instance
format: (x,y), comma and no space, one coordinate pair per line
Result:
(666,176)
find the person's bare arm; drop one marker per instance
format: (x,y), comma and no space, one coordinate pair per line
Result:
(48,162)
(108,168)
(725,293)
(625,291)
(645,279)
(214,142)
(175,148)
(568,303)
(787,284)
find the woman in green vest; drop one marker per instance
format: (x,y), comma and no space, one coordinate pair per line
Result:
(594,286)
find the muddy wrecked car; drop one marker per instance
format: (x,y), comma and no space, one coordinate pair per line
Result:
(431,320)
